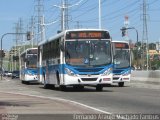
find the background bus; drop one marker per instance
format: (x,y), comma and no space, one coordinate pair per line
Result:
(77,58)
(122,62)
(28,65)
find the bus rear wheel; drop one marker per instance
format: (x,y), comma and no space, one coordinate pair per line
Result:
(46,86)
(62,87)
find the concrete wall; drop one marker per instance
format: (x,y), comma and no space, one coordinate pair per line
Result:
(151,77)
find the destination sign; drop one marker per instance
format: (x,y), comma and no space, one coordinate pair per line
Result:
(33,51)
(87,35)
(121,45)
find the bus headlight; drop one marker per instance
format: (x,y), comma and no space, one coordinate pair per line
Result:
(29,73)
(126,73)
(107,72)
(69,72)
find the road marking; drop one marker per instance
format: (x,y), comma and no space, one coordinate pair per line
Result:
(60,99)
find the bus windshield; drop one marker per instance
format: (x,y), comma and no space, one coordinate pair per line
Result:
(88,52)
(31,61)
(122,58)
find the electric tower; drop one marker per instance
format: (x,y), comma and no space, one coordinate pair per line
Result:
(145,37)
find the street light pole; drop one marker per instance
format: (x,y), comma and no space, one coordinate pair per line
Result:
(1,50)
(1,46)
(124,28)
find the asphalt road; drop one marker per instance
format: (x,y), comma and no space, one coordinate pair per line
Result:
(131,99)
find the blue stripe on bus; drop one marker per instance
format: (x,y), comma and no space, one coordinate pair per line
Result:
(121,70)
(31,71)
(77,70)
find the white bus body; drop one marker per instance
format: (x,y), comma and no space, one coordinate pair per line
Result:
(28,66)
(68,59)
(122,62)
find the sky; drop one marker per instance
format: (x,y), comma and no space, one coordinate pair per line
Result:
(81,15)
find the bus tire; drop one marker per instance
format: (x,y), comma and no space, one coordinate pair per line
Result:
(46,86)
(78,87)
(99,88)
(23,82)
(62,87)
(121,84)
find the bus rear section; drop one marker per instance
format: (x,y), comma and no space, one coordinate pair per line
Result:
(122,62)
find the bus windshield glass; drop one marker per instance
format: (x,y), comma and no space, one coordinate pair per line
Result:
(88,52)
(32,61)
(122,58)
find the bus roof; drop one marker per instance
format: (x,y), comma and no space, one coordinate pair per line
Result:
(120,41)
(63,33)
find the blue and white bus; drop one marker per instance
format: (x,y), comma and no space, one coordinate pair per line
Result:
(28,66)
(122,62)
(78,58)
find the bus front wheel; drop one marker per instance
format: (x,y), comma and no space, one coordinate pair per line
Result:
(99,87)
(121,84)
(78,87)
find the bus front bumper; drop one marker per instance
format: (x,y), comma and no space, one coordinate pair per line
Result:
(87,79)
(121,78)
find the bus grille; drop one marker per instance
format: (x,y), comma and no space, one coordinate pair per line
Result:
(89,79)
(115,78)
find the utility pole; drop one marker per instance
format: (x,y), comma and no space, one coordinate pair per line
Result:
(66,15)
(100,24)
(63,16)
(15,48)
(145,36)
(64,12)
(32,30)
(42,28)
(39,8)
(17,29)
